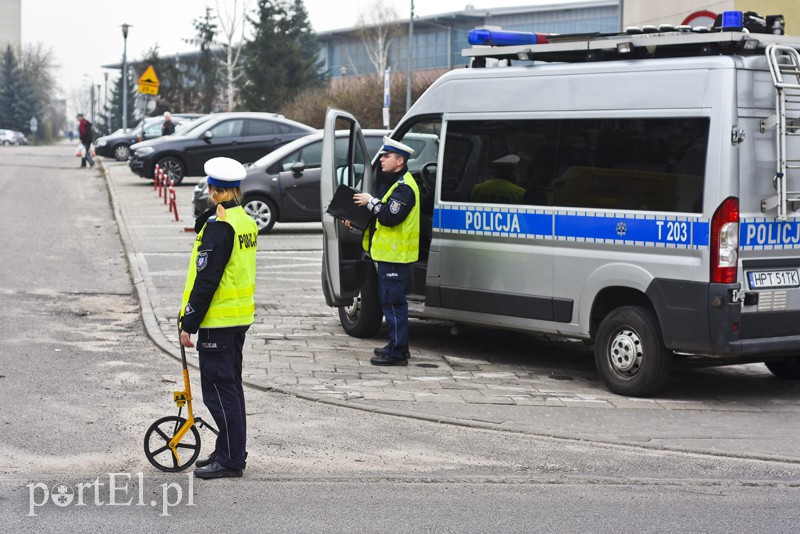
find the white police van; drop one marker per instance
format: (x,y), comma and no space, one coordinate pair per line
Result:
(638,191)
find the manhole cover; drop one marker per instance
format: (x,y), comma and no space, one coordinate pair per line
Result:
(428,365)
(561,377)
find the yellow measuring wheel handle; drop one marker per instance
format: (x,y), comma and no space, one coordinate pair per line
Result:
(181,398)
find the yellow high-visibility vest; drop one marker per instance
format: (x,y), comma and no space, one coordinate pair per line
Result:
(233,303)
(396,244)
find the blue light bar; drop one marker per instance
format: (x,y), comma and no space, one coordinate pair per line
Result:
(732,20)
(503,38)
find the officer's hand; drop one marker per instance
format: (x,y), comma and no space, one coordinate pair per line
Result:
(362,198)
(347,223)
(186,339)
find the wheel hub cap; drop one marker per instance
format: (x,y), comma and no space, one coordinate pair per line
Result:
(625,352)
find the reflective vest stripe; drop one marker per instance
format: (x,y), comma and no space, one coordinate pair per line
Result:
(231,293)
(231,311)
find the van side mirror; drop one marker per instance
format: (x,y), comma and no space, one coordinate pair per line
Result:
(208,136)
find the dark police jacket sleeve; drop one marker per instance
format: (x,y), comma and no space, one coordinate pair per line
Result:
(403,195)
(217,243)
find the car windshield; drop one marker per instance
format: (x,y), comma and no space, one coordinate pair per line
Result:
(190,126)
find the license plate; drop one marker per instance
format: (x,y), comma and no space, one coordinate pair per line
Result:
(773,279)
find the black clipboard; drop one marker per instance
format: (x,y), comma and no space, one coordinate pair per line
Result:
(343,207)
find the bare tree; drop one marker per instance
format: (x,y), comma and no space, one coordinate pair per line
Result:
(378,27)
(232,27)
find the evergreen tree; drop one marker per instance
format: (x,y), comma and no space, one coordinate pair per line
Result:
(281,60)
(207,64)
(113,108)
(17,100)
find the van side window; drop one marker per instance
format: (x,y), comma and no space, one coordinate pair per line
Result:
(632,164)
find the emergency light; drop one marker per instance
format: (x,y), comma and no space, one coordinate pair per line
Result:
(482,36)
(732,20)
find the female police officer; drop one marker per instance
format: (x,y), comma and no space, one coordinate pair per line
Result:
(218,300)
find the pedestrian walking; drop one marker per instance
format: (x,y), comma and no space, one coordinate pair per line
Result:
(218,304)
(392,241)
(86,135)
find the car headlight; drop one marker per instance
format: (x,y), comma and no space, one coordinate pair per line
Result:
(101,142)
(145,150)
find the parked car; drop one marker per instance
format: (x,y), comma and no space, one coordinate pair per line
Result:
(7,137)
(244,137)
(20,137)
(117,145)
(151,126)
(283,186)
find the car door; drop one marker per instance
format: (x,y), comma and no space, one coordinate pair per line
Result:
(298,176)
(344,268)
(220,139)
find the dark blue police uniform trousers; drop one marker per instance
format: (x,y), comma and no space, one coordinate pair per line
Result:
(392,294)
(220,351)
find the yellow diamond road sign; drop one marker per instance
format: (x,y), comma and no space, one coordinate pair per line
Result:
(148,82)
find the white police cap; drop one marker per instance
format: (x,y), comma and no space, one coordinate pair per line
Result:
(224,172)
(390,145)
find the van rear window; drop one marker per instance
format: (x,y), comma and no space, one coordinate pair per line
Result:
(631,164)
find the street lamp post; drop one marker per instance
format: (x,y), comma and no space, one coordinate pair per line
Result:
(125,76)
(410,56)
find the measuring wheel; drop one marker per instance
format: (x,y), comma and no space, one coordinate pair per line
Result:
(158,451)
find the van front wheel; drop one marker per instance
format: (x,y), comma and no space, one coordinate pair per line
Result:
(363,318)
(788,369)
(629,353)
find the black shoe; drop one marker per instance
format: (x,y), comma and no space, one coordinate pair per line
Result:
(206,461)
(387,359)
(380,351)
(214,470)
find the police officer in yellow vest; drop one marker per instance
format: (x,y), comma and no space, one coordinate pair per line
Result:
(219,304)
(393,243)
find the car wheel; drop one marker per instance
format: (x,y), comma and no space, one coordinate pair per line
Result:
(121,152)
(363,318)
(6,143)
(262,210)
(173,167)
(629,354)
(787,369)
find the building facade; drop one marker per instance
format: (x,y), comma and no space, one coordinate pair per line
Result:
(641,12)
(438,39)
(10,23)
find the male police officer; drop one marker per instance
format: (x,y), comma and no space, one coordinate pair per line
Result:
(393,243)
(218,300)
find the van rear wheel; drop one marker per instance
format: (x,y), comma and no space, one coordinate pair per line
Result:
(787,369)
(629,354)
(363,318)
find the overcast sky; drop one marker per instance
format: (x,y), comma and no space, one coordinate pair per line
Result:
(86,34)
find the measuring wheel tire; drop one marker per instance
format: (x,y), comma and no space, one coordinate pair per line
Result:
(156,444)
(629,354)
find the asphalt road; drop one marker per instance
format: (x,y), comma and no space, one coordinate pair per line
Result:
(80,382)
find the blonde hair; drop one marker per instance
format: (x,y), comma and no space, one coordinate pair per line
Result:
(218,195)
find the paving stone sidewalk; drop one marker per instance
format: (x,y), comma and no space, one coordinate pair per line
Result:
(484,378)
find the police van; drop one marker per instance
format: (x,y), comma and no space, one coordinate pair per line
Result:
(637,191)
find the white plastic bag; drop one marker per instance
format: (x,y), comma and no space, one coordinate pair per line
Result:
(80,151)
